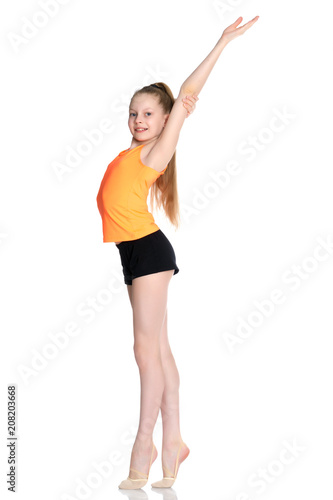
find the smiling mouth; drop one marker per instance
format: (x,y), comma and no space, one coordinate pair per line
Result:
(140,129)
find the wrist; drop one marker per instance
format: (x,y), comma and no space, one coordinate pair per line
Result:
(222,41)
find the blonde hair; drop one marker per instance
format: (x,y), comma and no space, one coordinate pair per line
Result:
(164,191)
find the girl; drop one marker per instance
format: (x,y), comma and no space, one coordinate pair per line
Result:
(147,257)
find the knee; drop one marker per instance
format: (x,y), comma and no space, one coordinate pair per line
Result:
(145,353)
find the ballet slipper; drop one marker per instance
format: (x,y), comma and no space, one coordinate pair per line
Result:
(167,482)
(134,484)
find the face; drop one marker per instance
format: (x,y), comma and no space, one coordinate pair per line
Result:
(146,113)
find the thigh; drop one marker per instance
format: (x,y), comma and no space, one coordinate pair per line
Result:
(149,303)
(129,290)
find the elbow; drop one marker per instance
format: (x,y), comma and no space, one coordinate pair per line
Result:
(187,90)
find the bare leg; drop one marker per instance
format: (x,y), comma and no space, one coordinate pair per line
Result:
(170,405)
(149,299)
(170,398)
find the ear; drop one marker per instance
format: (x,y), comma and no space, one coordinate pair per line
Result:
(166,119)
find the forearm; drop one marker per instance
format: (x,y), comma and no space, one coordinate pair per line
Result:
(194,83)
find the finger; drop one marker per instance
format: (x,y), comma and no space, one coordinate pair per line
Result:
(248,24)
(251,22)
(189,105)
(236,23)
(191,99)
(188,108)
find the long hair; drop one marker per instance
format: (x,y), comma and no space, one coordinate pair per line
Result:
(164,191)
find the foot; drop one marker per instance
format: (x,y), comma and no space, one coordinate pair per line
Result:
(140,459)
(169,457)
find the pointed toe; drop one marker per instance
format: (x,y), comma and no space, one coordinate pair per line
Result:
(168,477)
(135,484)
(132,484)
(166,482)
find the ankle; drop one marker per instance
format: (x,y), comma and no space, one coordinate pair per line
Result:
(171,442)
(143,441)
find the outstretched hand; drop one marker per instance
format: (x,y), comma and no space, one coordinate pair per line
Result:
(232,31)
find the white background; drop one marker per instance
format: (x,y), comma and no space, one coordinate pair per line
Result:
(236,244)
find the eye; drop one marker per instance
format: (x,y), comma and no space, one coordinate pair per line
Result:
(147,113)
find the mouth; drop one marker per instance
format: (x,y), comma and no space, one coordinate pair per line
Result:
(140,129)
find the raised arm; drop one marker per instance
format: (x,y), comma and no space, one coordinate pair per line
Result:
(164,148)
(194,83)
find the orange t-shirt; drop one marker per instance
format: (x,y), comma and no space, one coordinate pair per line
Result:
(122,197)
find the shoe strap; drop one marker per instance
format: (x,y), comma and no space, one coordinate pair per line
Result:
(177,459)
(138,473)
(142,474)
(169,472)
(151,456)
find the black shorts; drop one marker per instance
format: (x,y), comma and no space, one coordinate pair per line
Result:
(147,255)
